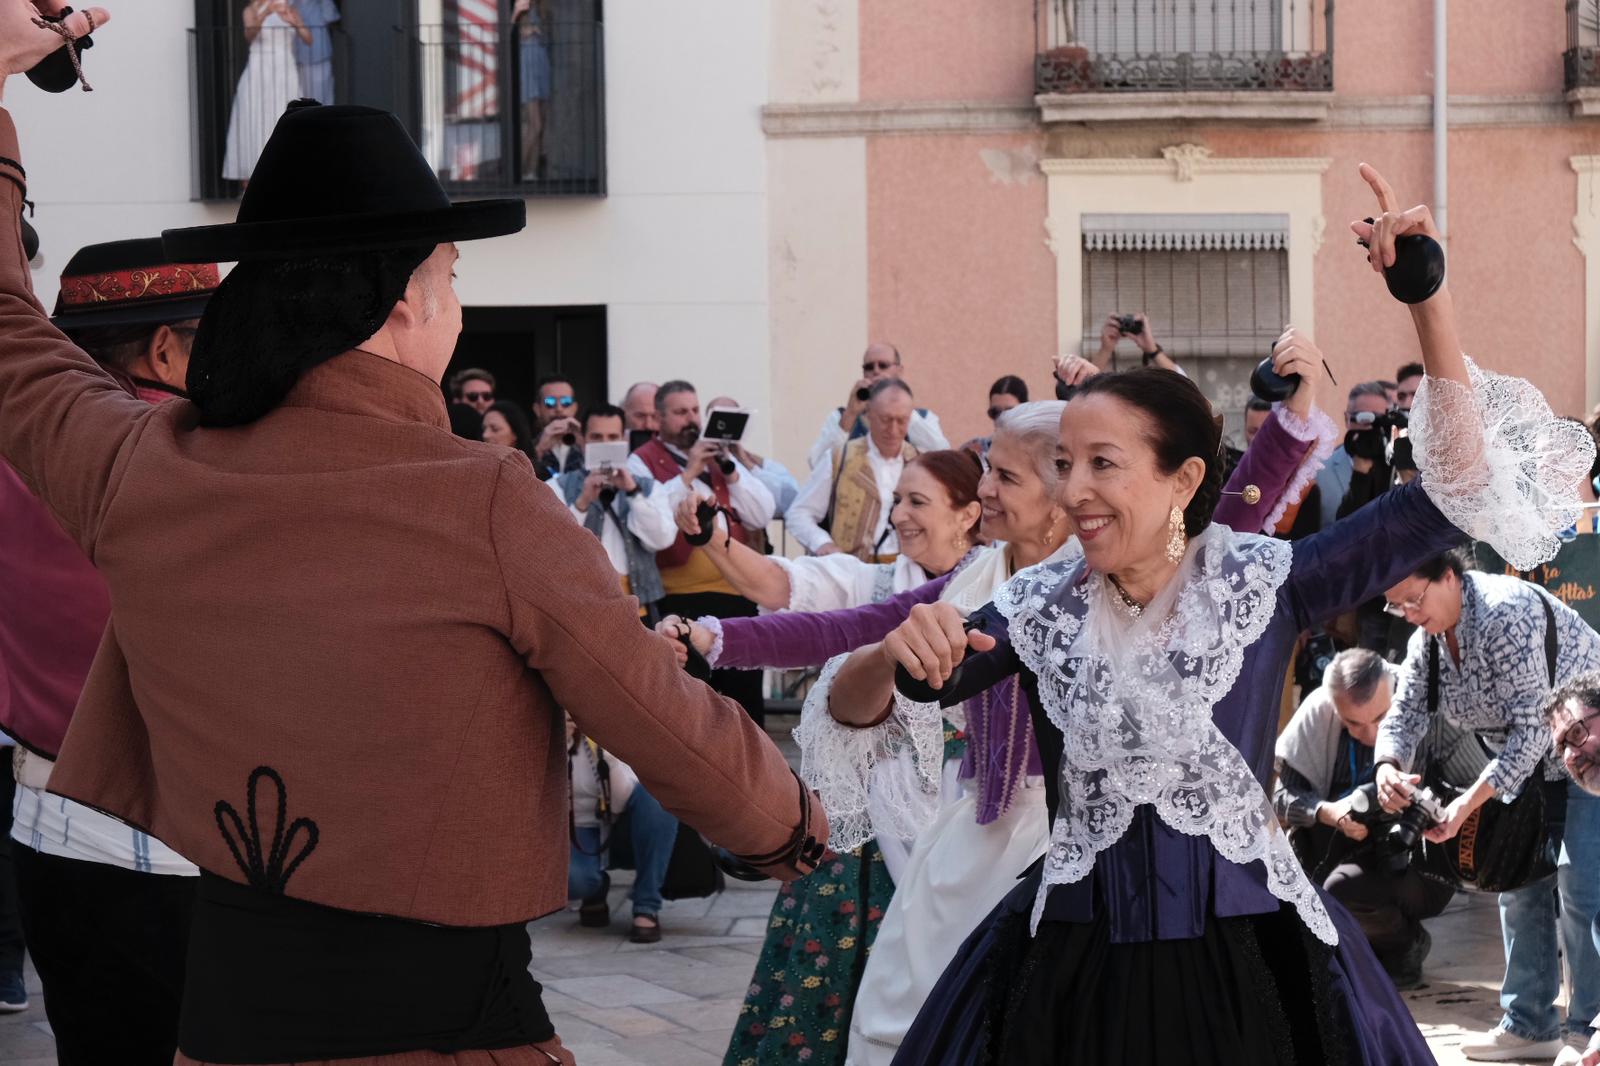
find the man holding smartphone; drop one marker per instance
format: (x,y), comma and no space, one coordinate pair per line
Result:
(629,514)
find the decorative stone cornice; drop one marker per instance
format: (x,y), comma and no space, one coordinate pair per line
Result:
(1336,112)
(1185,165)
(855,119)
(1250,106)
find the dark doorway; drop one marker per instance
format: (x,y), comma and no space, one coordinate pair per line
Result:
(520,345)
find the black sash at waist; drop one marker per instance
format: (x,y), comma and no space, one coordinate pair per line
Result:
(272,979)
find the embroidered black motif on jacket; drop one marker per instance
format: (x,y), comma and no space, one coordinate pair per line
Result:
(266,864)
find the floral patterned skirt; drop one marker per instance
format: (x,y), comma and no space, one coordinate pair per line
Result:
(797,1008)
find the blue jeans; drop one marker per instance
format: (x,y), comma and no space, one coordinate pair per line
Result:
(654,832)
(1530,919)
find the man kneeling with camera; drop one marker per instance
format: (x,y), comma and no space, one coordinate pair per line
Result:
(1325,793)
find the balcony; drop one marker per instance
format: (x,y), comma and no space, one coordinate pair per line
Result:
(497,110)
(1131,60)
(1581,60)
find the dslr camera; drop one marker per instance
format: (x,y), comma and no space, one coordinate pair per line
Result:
(1406,827)
(1372,439)
(1129,325)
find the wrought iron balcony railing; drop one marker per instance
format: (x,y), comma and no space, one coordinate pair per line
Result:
(496,109)
(1581,60)
(1183,45)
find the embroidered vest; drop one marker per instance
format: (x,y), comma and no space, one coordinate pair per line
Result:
(664,466)
(855,505)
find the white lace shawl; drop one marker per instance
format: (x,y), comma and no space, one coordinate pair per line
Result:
(1133,698)
(1498,463)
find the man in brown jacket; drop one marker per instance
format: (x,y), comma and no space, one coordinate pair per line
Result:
(339,635)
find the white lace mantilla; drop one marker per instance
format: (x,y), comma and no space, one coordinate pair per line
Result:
(882,782)
(1498,462)
(1133,699)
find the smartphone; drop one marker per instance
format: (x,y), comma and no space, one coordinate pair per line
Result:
(605,455)
(726,424)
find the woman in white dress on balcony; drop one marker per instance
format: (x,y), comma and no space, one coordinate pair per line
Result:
(269,82)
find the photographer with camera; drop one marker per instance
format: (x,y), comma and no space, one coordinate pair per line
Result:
(1378,454)
(1488,650)
(629,514)
(1349,845)
(685,461)
(556,411)
(1137,329)
(845,505)
(848,423)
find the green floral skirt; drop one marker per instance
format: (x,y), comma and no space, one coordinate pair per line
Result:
(797,1008)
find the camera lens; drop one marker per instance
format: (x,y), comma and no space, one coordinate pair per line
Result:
(727,467)
(569,439)
(863,395)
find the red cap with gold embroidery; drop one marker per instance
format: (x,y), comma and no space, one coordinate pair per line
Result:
(131,283)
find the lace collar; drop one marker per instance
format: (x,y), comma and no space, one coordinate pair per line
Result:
(1134,699)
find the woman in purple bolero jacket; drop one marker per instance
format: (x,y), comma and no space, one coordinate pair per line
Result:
(1169,921)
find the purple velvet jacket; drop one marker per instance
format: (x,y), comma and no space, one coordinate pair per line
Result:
(994,736)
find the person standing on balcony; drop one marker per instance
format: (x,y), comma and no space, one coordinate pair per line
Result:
(314,57)
(531,17)
(269,82)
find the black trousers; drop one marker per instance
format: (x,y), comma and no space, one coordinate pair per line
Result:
(109,945)
(11,948)
(741,686)
(1389,903)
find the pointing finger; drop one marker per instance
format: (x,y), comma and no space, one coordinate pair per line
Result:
(1380,187)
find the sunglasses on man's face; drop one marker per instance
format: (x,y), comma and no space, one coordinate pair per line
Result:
(478,397)
(867,368)
(558,401)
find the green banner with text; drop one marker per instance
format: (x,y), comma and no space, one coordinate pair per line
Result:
(1573,575)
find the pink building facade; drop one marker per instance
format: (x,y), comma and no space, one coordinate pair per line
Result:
(981,183)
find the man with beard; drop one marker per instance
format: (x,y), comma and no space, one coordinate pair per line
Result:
(1574,717)
(680,460)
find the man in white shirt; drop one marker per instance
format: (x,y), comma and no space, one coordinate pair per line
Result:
(629,514)
(848,423)
(845,506)
(684,463)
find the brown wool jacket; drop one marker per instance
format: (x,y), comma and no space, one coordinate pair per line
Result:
(386,616)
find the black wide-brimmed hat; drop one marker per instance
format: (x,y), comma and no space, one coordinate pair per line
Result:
(335,179)
(131,283)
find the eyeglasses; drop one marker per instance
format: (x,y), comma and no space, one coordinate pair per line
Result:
(867,368)
(476,397)
(1399,609)
(558,401)
(1575,735)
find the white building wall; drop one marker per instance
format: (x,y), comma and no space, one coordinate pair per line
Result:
(677,251)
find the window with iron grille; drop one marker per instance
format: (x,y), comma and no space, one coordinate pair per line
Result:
(1215,289)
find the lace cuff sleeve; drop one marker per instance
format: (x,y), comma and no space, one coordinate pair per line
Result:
(1318,430)
(854,771)
(1498,463)
(714,627)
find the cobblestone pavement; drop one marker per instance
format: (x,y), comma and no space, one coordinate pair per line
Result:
(675,1003)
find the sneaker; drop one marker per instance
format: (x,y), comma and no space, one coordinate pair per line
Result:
(13,994)
(1502,1045)
(1572,1053)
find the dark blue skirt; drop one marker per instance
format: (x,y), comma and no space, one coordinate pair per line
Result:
(1257,990)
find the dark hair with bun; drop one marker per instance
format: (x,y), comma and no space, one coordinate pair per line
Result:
(1182,427)
(959,472)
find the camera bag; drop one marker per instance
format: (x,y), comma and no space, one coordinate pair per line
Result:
(1501,846)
